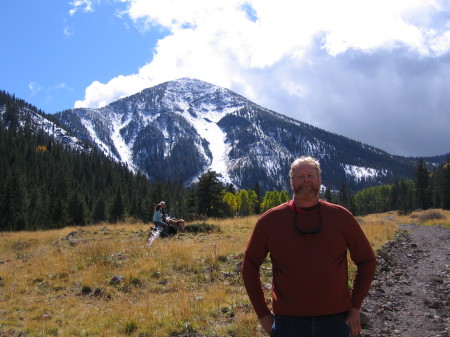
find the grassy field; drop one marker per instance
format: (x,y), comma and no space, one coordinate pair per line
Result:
(105,281)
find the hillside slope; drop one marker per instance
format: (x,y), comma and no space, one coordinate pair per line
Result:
(180,129)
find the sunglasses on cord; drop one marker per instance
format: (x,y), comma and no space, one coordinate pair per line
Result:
(298,225)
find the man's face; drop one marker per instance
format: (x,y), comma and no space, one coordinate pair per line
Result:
(305,181)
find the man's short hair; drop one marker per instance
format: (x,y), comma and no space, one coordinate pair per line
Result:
(306,160)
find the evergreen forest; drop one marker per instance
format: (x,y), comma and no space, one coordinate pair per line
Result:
(428,189)
(45,185)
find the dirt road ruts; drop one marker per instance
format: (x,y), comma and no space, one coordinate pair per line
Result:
(410,296)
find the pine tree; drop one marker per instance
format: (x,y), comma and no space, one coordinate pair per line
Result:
(75,211)
(99,213)
(11,118)
(407,192)
(327,195)
(116,210)
(58,199)
(344,195)
(423,193)
(210,192)
(12,204)
(446,187)
(230,188)
(395,197)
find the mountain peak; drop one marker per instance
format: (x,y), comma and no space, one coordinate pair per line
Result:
(180,129)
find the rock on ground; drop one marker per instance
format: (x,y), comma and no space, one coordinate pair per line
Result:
(410,295)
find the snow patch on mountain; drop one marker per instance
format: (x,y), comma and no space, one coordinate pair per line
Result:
(122,148)
(359,173)
(216,139)
(205,123)
(37,122)
(87,123)
(211,128)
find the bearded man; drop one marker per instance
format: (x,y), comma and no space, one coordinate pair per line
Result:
(308,240)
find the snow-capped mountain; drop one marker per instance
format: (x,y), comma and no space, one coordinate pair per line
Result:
(29,118)
(180,129)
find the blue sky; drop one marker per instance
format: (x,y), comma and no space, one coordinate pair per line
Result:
(374,71)
(49,56)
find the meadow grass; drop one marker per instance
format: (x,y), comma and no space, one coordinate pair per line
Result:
(64,282)
(429,217)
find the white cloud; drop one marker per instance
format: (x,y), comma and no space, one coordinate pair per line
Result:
(99,94)
(67,32)
(285,54)
(217,41)
(34,88)
(86,5)
(62,86)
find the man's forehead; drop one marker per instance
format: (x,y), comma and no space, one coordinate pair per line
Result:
(305,167)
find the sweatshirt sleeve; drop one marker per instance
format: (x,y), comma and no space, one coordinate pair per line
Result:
(254,256)
(364,258)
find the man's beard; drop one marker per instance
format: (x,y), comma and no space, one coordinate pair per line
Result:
(306,192)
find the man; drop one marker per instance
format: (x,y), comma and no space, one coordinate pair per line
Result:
(308,239)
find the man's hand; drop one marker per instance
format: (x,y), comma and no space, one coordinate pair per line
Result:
(267,322)
(354,322)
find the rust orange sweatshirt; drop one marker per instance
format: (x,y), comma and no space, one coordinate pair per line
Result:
(310,274)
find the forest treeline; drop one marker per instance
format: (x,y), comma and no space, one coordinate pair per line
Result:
(46,185)
(426,190)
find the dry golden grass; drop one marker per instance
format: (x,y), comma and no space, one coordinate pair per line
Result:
(58,282)
(428,217)
(379,227)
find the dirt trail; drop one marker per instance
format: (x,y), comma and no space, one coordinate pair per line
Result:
(410,296)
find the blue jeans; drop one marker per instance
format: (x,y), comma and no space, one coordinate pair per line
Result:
(310,326)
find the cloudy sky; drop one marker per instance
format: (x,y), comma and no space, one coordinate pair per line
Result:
(377,71)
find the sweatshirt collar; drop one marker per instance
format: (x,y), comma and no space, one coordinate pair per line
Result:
(304,209)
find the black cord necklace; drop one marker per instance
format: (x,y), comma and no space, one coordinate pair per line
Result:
(312,231)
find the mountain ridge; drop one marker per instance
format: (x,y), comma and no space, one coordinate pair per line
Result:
(180,129)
